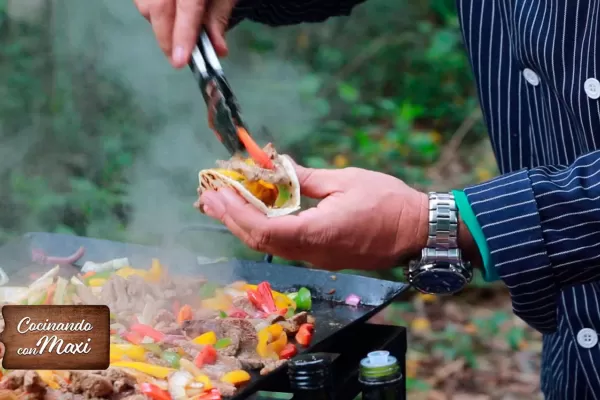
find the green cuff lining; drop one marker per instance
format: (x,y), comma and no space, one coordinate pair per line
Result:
(468,216)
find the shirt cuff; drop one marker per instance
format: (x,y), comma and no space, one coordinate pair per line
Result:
(509,217)
(468,216)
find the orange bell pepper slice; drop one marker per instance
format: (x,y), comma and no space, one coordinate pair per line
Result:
(254,149)
(184,314)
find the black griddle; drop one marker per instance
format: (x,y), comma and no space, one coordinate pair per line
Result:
(336,321)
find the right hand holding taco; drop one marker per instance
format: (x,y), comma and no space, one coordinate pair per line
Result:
(177,23)
(365,220)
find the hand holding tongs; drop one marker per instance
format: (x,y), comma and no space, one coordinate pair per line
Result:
(224,116)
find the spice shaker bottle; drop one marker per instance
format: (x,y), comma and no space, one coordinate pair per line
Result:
(380,377)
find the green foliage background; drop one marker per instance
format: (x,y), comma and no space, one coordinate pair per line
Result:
(391,84)
(392,90)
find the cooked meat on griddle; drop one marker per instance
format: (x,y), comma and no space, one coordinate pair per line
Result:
(164,326)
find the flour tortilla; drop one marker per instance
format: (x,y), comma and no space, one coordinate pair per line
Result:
(211,179)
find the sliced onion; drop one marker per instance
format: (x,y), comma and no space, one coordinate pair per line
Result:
(115,264)
(177,383)
(10,294)
(188,366)
(76,281)
(261,325)
(43,280)
(147,314)
(352,300)
(147,340)
(196,385)
(60,292)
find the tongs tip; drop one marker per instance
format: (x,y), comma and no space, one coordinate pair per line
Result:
(254,150)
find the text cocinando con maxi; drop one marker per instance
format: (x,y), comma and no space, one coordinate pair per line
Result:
(52,343)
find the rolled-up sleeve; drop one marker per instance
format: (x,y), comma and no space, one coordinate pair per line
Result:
(287,12)
(542,228)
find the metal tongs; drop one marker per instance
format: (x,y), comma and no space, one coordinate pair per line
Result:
(224,116)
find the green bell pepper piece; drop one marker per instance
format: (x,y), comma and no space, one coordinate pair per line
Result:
(303,299)
(171,357)
(283,195)
(222,343)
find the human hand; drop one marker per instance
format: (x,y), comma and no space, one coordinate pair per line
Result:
(365,220)
(177,23)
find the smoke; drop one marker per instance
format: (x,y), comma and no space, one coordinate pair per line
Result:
(164,179)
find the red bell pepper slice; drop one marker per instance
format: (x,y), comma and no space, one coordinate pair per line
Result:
(305,334)
(288,352)
(235,313)
(147,330)
(154,392)
(264,290)
(262,298)
(208,355)
(212,394)
(133,337)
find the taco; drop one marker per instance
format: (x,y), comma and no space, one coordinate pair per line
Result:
(275,192)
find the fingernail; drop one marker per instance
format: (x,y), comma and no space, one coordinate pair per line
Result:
(208,211)
(178,55)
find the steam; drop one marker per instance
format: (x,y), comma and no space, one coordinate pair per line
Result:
(164,180)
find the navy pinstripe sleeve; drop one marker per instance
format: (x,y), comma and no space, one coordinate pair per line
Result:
(541,226)
(287,12)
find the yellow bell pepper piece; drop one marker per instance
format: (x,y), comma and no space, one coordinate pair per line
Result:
(152,370)
(278,345)
(282,301)
(236,377)
(155,272)
(205,380)
(126,272)
(271,341)
(263,341)
(206,338)
(122,350)
(276,330)
(48,377)
(116,354)
(96,282)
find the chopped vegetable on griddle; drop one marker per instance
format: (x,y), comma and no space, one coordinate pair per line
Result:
(171,337)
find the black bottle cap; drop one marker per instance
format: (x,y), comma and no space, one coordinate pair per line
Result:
(309,371)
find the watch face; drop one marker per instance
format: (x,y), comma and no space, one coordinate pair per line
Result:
(439,281)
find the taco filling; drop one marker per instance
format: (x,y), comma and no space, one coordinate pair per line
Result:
(272,187)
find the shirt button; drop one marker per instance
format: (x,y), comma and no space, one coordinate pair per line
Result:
(592,88)
(587,338)
(531,77)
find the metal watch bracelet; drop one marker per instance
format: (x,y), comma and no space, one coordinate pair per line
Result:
(442,240)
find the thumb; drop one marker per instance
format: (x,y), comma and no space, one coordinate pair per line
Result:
(319,183)
(217,19)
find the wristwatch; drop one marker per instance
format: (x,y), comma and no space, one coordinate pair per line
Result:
(441,269)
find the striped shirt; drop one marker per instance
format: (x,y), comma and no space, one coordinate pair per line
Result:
(537,73)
